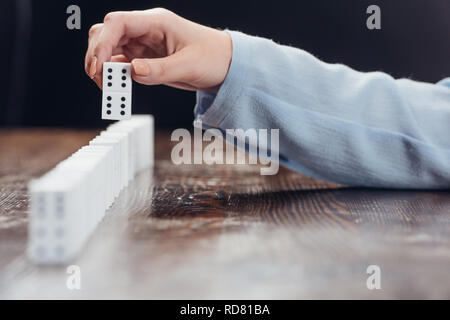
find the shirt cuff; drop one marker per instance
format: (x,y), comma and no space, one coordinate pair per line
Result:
(212,109)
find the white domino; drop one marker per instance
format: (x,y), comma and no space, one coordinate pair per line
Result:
(68,202)
(117,85)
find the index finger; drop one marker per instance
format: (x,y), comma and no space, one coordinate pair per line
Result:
(119,25)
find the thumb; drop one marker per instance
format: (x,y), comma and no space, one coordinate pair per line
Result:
(173,68)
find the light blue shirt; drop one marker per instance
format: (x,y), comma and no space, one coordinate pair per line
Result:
(336,124)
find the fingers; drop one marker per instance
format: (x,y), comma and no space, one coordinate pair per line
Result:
(172,69)
(119,58)
(91,60)
(99,82)
(117,28)
(88,60)
(108,39)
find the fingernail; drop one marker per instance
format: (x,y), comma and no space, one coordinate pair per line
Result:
(141,68)
(93,68)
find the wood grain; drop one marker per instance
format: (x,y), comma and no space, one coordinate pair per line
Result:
(199,231)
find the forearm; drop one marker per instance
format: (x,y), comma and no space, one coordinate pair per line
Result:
(335,123)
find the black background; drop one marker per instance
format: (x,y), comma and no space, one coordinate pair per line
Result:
(53,90)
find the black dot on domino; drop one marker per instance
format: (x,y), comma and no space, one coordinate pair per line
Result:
(109,84)
(109,70)
(123,98)
(122,113)
(124,70)
(123,85)
(124,78)
(108,98)
(110,77)
(108,111)
(122,105)
(109,105)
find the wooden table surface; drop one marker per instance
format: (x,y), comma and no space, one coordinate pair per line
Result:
(199,231)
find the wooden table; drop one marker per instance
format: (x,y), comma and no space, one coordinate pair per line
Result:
(199,231)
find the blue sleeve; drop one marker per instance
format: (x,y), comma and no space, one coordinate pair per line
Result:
(336,124)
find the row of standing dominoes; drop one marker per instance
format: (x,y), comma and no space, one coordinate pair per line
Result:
(69,201)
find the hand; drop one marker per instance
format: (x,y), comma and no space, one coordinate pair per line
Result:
(163,48)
